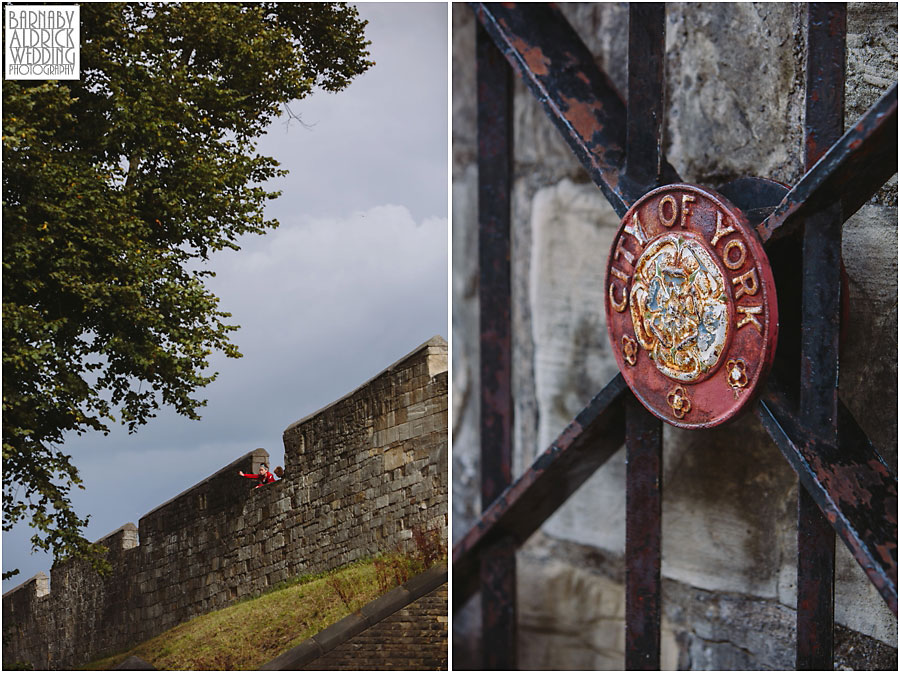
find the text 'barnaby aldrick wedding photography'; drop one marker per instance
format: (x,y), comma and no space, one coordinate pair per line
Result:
(42,42)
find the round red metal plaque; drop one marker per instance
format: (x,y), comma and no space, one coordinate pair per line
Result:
(690,306)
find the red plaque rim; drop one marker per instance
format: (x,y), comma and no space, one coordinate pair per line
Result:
(691,308)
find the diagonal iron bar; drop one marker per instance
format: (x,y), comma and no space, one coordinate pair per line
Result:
(596,434)
(578,97)
(850,483)
(851,171)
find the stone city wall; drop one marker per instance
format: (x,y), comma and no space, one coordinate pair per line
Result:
(360,474)
(735,78)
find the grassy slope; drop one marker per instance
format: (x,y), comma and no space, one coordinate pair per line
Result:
(246,635)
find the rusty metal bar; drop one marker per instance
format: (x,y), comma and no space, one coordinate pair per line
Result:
(850,483)
(646,93)
(643,431)
(577,96)
(815,586)
(495,289)
(643,538)
(851,171)
(495,151)
(597,432)
(498,582)
(820,330)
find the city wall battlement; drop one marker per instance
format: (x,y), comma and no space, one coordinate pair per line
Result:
(360,474)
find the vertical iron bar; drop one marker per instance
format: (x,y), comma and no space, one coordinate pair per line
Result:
(498,584)
(646,92)
(643,541)
(643,432)
(498,605)
(826,37)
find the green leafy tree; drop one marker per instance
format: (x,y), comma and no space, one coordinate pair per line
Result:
(116,189)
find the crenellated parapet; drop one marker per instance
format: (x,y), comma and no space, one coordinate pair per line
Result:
(359,475)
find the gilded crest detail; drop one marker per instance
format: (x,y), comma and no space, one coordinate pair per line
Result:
(736,373)
(679,307)
(679,401)
(629,350)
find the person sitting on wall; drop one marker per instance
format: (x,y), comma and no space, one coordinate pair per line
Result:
(264,476)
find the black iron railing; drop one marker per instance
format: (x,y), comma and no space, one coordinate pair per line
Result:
(846,487)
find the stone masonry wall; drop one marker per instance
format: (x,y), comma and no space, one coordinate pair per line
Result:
(359,475)
(412,639)
(734,107)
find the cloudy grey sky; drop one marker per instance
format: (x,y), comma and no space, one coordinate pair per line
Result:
(353,279)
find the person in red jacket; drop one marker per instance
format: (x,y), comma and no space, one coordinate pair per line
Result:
(264,476)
